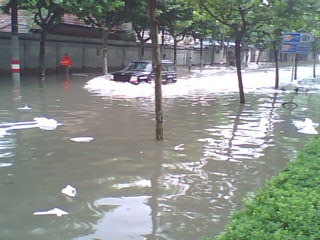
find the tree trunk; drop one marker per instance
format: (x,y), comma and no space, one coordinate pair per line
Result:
(213,54)
(201,53)
(105,51)
(296,67)
(157,68)
(238,64)
(276,60)
(175,44)
(259,56)
(315,55)
(314,64)
(162,41)
(226,55)
(42,52)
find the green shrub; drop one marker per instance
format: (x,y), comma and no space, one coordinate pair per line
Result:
(288,207)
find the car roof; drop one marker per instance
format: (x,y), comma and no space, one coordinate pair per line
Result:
(166,61)
(150,61)
(141,61)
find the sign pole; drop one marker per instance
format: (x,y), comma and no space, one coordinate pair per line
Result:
(293,66)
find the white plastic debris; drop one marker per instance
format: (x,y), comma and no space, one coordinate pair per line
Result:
(40,122)
(82,139)
(26,107)
(45,123)
(69,191)
(179,147)
(308,130)
(55,211)
(306,127)
(2,132)
(5,164)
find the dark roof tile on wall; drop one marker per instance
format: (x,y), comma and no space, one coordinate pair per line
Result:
(25,22)
(70,23)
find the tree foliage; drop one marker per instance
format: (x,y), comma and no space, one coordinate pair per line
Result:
(103,15)
(175,17)
(136,12)
(46,14)
(242,17)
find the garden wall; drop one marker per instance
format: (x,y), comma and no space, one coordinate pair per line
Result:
(87,52)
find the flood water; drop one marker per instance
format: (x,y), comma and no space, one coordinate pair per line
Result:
(214,154)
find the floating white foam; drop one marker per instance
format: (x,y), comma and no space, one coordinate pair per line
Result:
(82,139)
(197,83)
(54,211)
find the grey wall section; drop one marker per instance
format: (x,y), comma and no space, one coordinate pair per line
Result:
(86,52)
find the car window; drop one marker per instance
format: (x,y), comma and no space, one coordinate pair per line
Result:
(171,67)
(139,66)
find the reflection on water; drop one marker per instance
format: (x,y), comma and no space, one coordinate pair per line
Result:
(130,186)
(122,218)
(246,136)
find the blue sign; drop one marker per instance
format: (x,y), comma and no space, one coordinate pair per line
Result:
(302,48)
(297,43)
(291,37)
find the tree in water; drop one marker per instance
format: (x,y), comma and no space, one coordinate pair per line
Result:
(156,58)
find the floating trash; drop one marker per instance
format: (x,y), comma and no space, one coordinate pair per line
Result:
(179,147)
(306,127)
(82,139)
(69,190)
(26,107)
(55,211)
(46,124)
(2,132)
(5,165)
(40,122)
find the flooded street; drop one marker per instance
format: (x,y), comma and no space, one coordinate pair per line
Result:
(99,137)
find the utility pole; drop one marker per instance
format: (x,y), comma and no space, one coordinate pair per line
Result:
(15,58)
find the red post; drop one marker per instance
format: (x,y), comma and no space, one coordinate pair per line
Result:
(15,66)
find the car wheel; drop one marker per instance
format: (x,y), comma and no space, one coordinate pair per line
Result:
(136,83)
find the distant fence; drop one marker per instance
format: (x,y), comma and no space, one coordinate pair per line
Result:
(86,52)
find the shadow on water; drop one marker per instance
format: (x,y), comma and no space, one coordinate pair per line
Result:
(130,186)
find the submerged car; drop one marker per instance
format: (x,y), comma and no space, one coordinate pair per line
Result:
(143,71)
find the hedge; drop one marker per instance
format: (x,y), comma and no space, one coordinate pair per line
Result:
(287,207)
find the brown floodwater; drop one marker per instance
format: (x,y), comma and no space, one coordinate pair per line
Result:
(215,153)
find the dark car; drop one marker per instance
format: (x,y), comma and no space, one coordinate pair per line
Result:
(142,71)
